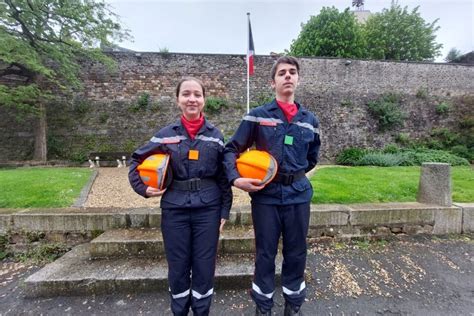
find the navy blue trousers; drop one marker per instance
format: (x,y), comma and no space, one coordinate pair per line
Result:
(270,222)
(190,238)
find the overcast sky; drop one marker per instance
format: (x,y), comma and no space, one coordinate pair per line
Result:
(220,26)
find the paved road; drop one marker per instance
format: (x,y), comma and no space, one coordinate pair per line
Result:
(404,276)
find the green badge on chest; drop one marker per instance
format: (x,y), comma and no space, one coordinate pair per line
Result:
(288,140)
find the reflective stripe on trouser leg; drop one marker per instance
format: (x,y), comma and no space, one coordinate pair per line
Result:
(260,292)
(289,292)
(295,223)
(176,230)
(205,236)
(180,295)
(266,223)
(200,296)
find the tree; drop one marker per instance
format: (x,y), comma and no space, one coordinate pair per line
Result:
(331,33)
(358,3)
(41,45)
(453,55)
(397,34)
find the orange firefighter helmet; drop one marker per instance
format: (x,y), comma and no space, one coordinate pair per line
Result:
(257,164)
(154,171)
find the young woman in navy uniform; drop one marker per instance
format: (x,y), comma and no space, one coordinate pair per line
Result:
(290,133)
(196,204)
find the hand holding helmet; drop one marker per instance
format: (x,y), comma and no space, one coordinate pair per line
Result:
(256,168)
(154,173)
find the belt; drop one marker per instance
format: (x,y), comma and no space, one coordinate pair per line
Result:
(288,178)
(194,184)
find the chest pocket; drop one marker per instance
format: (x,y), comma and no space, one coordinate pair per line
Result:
(177,163)
(212,150)
(174,151)
(270,137)
(305,132)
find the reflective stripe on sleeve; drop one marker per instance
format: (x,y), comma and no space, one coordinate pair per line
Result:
(264,120)
(259,291)
(201,296)
(297,292)
(308,126)
(210,139)
(167,140)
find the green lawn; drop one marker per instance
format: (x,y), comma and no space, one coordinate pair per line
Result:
(41,187)
(381,184)
(60,187)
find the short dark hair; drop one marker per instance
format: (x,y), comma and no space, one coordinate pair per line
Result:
(178,87)
(285,60)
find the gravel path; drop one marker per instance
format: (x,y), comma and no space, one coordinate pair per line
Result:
(112,189)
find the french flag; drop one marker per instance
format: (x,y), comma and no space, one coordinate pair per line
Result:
(250,51)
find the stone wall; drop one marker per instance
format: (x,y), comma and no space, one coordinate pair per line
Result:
(106,115)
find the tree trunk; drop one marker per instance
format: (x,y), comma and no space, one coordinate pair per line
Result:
(41,150)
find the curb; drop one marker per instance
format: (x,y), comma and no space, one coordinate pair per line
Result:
(81,200)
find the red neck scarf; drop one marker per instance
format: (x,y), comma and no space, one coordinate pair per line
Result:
(289,109)
(192,127)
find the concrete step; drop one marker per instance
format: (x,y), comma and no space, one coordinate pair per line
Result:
(354,220)
(76,274)
(148,242)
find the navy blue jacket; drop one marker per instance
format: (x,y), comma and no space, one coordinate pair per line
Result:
(175,141)
(266,127)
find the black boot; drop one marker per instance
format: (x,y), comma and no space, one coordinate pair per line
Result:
(290,310)
(258,312)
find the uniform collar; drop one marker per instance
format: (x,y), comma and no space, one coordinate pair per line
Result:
(178,126)
(273,107)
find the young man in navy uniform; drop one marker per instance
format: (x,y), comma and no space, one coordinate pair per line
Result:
(290,133)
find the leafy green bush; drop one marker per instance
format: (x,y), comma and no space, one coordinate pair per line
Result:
(443,108)
(462,151)
(261,99)
(391,149)
(142,103)
(143,100)
(446,137)
(403,139)
(80,106)
(78,156)
(392,155)
(415,157)
(381,160)
(467,122)
(56,147)
(422,93)
(214,105)
(387,111)
(350,156)
(130,145)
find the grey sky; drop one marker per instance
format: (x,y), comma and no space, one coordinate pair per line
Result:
(197,26)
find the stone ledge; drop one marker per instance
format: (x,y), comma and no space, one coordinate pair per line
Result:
(75,274)
(5,223)
(148,243)
(467,216)
(344,219)
(391,213)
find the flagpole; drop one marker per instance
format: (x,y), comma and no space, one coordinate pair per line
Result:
(248,62)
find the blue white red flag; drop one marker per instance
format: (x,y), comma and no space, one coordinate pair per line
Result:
(250,51)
